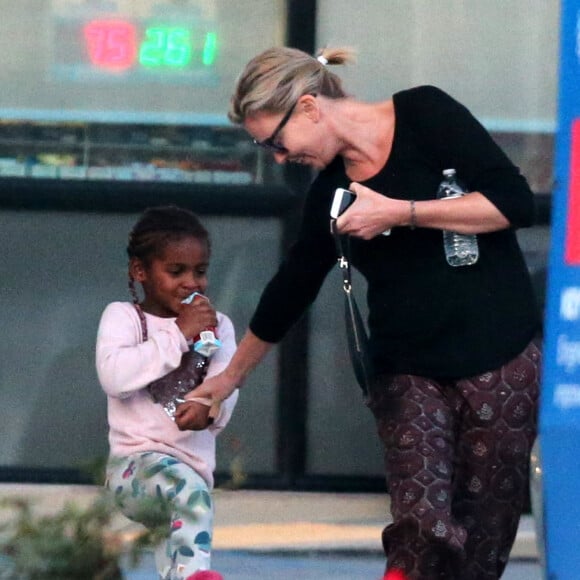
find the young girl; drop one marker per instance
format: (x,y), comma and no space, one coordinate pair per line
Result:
(154,454)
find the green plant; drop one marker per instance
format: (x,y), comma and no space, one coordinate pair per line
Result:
(76,543)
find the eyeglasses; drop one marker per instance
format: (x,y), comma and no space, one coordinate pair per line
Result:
(269,143)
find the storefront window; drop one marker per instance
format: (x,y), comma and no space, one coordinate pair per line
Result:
(118,90)
(498,57)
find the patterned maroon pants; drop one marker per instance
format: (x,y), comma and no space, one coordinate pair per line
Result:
(457,456)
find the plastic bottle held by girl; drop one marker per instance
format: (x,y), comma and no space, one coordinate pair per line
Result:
(460,249)
(206,342)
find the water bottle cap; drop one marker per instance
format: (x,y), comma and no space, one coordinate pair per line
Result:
(448,172)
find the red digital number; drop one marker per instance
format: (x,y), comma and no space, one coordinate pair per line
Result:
(572,255)
(112,44)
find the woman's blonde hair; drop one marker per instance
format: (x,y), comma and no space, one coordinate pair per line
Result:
(274,80)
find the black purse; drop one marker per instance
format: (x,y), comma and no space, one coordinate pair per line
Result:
(356,334)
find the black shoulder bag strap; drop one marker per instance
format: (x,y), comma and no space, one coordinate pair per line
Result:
(358,342)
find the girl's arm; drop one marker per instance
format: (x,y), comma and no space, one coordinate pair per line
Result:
(186,416)
(124,363)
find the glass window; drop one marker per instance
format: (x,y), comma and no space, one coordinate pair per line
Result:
(53,409)
(130,90)
(146,61)
(498,57)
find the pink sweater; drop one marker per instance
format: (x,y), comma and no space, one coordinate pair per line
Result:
(125,366)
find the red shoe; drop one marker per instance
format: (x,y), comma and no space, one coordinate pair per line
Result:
(205,575)
(394,574)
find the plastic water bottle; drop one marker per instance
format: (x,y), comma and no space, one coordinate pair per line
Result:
(460,249)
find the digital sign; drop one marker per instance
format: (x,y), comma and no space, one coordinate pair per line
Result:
(572,253)
(560,395)
(160,42)
(116,45)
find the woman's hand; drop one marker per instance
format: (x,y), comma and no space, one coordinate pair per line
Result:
(217,388)
(194,317)
(192,416)
(372,213)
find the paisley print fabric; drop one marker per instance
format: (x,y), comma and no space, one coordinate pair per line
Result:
(457,456)
(185,507)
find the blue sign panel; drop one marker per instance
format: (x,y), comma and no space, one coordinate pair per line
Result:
(560,409)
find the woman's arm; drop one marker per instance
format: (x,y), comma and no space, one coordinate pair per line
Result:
(450,136)
(373,213)
(447,135)
(288,294)
(472,213)
(251,351)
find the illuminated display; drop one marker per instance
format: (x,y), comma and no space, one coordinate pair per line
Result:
(115,45)
(165,47)
(144,46)
(111,44)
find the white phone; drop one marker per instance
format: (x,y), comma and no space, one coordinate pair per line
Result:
(342,200)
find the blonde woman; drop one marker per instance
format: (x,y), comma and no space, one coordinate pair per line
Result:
(453,348)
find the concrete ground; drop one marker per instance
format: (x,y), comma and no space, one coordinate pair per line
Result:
(315,535)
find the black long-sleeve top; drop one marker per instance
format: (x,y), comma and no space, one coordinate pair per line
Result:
(425,317)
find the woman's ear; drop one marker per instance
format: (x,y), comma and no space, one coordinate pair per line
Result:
(310,107)
(137,269)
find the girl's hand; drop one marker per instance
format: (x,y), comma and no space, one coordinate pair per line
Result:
(192,416)
(372,213)
(195,317)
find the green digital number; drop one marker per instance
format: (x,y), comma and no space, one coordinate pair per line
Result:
(152,48)
(178,48)
(165,47)
(209,49)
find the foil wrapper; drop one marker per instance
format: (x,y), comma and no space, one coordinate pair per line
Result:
(169,390)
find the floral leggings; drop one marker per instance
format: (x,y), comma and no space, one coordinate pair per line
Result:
(457,456)
(156,489)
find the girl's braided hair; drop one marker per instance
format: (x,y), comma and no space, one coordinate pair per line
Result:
(156,228)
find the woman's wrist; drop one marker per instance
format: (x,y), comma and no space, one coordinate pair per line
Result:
(248,355)
(234,376)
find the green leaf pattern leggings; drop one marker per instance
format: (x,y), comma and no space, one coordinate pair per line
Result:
(142,481)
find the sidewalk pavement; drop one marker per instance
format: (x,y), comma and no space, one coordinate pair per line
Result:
(276,521)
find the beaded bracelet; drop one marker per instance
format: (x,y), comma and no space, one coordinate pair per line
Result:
(413,221)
